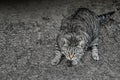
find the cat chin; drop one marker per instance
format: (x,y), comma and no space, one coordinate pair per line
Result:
(72,59)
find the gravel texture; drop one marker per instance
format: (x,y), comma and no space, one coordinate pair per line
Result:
(28,31)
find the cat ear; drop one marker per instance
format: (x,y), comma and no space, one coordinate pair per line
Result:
(81,44)
(65,42)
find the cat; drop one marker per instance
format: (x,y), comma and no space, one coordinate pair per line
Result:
(78,32)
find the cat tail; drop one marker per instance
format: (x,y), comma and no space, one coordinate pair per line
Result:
(103,18)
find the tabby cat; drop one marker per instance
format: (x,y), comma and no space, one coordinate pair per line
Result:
(78,32)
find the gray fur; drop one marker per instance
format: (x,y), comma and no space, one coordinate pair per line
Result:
(77,32)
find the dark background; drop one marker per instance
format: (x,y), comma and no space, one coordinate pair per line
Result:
(28,29)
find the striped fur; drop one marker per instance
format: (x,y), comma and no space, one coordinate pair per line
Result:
(78,32)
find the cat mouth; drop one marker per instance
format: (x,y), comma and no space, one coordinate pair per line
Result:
(69,63)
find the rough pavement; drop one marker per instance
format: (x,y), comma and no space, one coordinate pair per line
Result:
(27,41)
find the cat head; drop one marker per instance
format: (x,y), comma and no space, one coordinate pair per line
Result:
(73,52)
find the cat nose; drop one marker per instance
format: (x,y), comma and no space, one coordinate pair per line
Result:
(71,56)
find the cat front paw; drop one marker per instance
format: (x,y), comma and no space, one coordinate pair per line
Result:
(95,55)
(75,62)
(55,62)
